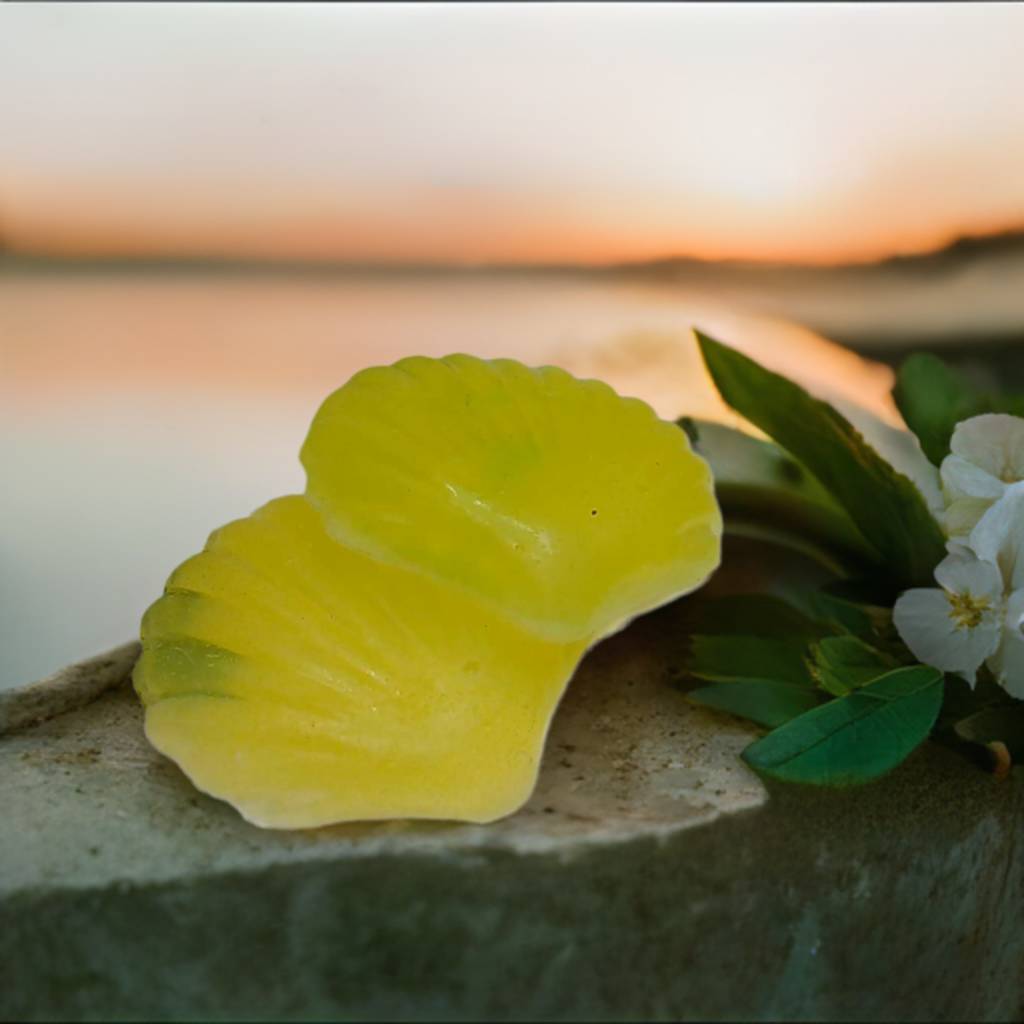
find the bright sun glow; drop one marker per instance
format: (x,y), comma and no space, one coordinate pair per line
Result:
(509,133)
(758,164)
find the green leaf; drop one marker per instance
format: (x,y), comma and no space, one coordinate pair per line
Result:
(690,428)
(847,615)
(845,663)
(855,738)
(758,484)
(763,701)
(933,397)
(886,507)
(751,615)
(747,657)
(862,591)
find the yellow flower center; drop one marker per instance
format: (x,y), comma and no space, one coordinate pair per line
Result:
(966,610)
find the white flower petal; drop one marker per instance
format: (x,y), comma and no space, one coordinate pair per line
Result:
(995,442)
(959,546)
(963,515)
(1015,610)
(1007,663)
(1015,453)
(922,618)
(999,536)
(964,573)
(964,479)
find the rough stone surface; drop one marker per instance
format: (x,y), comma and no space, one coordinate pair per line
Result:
(649,877)
(70,688)
(97,805)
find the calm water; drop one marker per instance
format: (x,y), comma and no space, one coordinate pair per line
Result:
(139,412)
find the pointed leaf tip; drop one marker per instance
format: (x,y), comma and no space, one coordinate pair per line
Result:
(885,505)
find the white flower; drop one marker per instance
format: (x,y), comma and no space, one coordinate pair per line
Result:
(999,536)
(957,628)
(987,456)
(978,615)
(1008,661)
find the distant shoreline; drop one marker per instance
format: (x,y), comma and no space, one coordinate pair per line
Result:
(965,249)
(961,301)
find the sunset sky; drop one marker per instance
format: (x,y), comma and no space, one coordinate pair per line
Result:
(509,133)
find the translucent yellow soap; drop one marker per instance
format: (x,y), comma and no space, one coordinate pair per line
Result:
(307,683)
(394,643)
(559,503)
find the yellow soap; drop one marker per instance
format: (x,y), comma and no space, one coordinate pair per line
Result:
(559,503)
(394,643)
(307,683)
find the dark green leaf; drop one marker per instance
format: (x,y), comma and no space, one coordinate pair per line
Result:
(863,591)
(933,397)
(857,737)
(759,615)
(748,657)
(757,483)
(845,663)
(886,507)
(761,700)
(824,607)
(689,425)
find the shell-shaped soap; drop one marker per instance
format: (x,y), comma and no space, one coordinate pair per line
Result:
(307,683)
(560,504)
(394,643)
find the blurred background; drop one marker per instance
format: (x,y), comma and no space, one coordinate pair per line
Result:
(212,215)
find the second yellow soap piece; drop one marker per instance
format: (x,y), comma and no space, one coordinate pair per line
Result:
(554,500)
(307,683)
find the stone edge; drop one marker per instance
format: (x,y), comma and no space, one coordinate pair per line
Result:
(67,689)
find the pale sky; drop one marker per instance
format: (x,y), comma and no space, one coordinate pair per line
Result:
(509,133)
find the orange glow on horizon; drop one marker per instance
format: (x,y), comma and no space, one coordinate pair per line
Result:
(509,134)
(461,227)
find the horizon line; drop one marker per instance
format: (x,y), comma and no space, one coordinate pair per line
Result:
(960,246)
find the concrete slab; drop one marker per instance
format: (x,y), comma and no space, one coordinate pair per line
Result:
(97,805)
(649,877)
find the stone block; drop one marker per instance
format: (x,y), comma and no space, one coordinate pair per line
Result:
(651,876)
